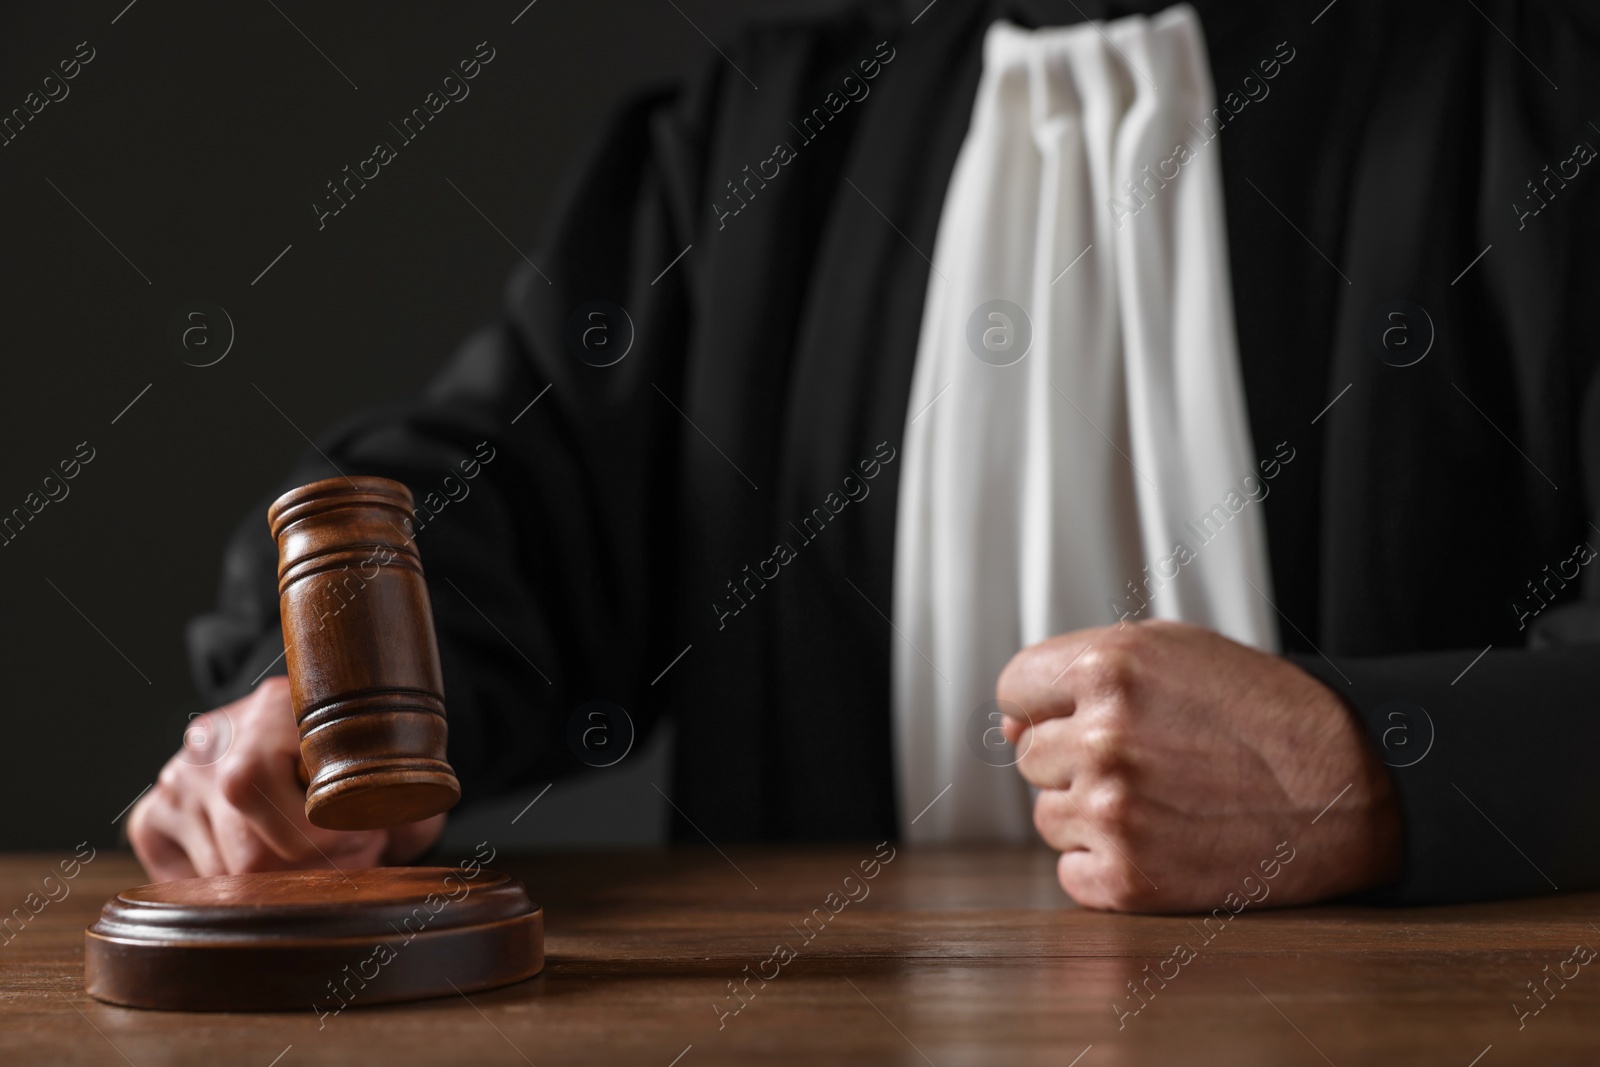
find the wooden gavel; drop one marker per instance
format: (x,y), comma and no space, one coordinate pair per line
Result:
(364,674)
(368,696)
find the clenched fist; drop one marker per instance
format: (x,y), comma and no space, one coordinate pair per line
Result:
(1173,761)
(244,810)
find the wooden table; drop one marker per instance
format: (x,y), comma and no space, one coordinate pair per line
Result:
(951,957)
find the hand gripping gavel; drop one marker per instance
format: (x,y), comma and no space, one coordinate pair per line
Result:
(366,687)
(364,674)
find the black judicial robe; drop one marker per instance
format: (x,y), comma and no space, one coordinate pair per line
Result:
(1433,511)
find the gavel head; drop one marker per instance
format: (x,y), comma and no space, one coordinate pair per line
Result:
(363,663)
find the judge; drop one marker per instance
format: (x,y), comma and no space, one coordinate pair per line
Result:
(1174,435)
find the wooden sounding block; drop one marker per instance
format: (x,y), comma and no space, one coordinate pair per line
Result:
(312,940)
(368,696)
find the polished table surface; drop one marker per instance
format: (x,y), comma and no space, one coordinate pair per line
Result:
(949,957)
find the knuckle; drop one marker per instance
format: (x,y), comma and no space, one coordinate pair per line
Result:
(250,713)
(1110,669)
(269,716)
(1165,629)
(271,689)
(266,699)
(238,845)
(1112,806)
(172,776)
(237,778)
(1105,741)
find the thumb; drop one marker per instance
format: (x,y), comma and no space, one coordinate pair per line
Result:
(1012,728)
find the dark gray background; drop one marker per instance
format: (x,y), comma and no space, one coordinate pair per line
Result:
(196,141)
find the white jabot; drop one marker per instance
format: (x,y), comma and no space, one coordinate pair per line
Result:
(1035,492)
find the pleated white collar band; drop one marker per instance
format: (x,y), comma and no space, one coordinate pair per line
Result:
(1076,397)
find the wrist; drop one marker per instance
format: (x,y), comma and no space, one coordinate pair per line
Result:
(1357,831)
(1384,857)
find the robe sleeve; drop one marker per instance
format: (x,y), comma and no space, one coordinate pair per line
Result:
(1492,760)
(544,483)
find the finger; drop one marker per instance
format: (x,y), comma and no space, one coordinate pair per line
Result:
(241,846)
(262,784)
(200,843)
(1093,868)
(1054,678)
(1049,754)
(159,852)
(369,854)
(260,777)
(1109,880)
(411,840)
(177,816)
(1088,878)
(1059,823)
(1099,747)
(1036,680)
(1013,729)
